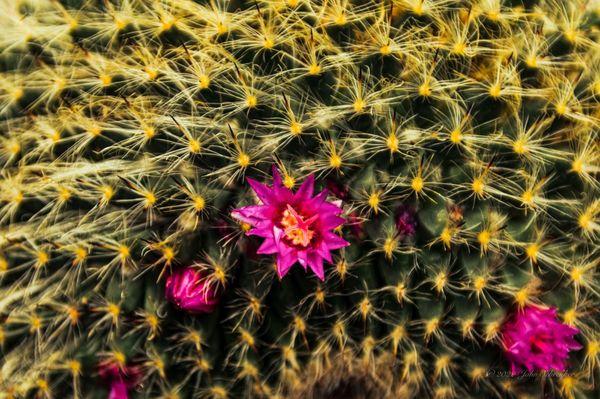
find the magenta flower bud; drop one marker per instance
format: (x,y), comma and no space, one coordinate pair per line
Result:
(120,380)
(406,223)
(535,339)
(118,390)
(191,291)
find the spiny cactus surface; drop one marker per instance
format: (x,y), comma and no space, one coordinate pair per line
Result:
(299,198)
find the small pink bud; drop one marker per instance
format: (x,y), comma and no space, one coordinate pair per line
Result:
(191,291)
(406,223)
(118,389)
(120,380)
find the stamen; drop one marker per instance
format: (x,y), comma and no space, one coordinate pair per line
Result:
(296,228)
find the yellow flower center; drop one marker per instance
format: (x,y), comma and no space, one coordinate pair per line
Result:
(571,35)
(3,264)
(14,147)
(389,246)
(296,229)
(151,73)
(167,24)
(107,193)
(73,314)
(149,132)
(42,258)
(120,24)
(593,348)
(80,254)
(527,197)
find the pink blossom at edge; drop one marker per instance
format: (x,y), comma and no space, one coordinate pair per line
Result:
(533,338)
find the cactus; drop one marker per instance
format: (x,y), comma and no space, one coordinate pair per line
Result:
(457,143)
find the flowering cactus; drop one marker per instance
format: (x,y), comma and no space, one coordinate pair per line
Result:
(435,166)
(535,339)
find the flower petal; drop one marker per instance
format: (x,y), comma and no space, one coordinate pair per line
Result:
(315,262)
(264,193)
(323,251)
(303,258)
(277,182)
(305,191)
(331,221)
(118,389)
(284,263)
(251,214)
(334,241)
(262,231)
(268,247)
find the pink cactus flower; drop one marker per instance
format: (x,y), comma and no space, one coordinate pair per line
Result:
(119,379)
(191,291)
(296,226)
(534,338)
